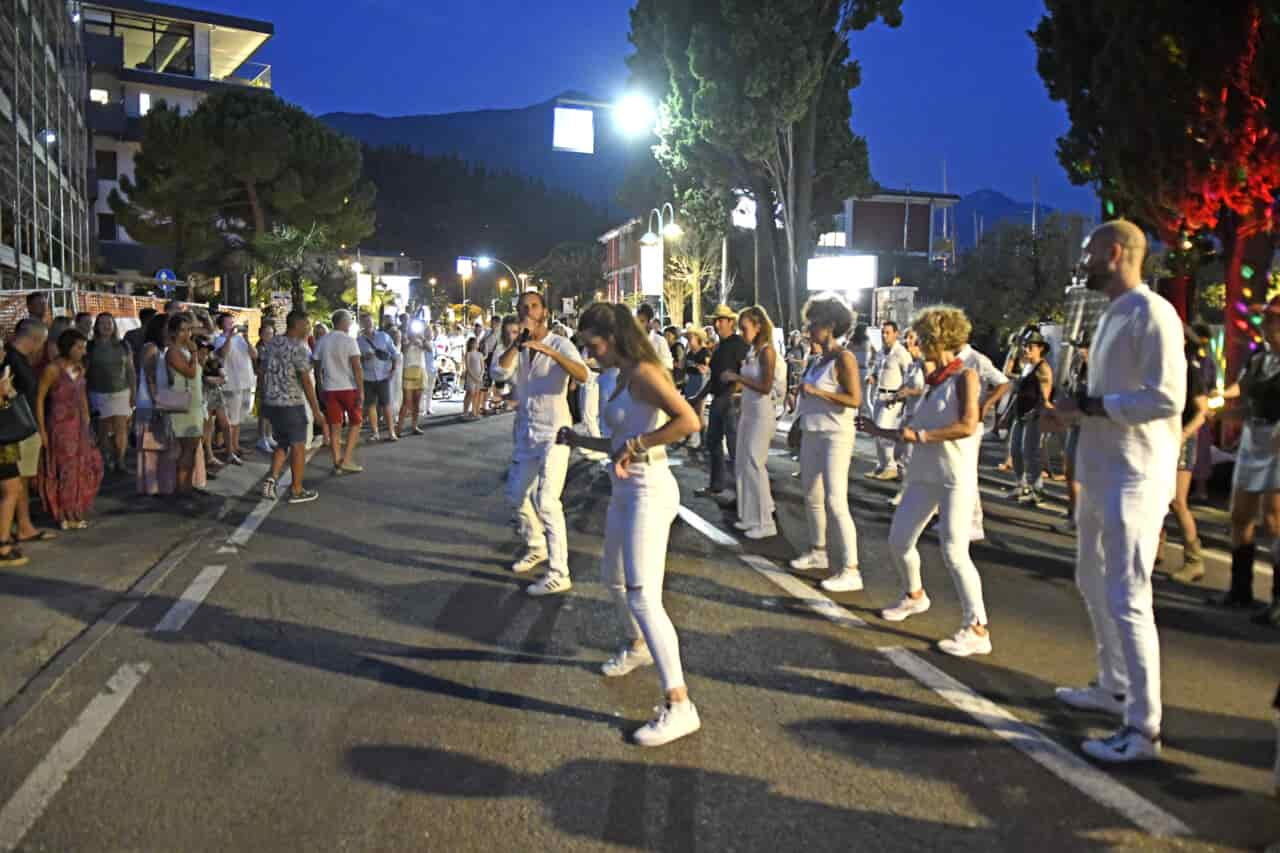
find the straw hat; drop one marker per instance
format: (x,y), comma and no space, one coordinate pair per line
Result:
(724,312)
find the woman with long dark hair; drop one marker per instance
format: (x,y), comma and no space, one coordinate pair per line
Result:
(71,469)
(157,450)
(184,373)
(757,423)
(112,383)
(645,413)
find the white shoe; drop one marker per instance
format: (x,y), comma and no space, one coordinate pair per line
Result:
(905,608)
(765,532)
(265,445)
(741,525)
(966,642)
(626,660)
(850,580)
(810,560)
(1126,745)
(1091,698)
(528,562)
(551,584)
(673,722)
(896,499)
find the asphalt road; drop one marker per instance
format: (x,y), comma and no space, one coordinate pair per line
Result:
(362,672)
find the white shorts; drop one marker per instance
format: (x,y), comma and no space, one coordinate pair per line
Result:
(239,405)
(110,405)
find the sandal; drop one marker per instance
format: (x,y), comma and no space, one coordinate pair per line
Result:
(11,555)
(41,536)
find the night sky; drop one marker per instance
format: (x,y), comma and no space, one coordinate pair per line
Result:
(957,80)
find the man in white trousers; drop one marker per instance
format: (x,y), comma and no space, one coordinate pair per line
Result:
(992,386)
(891,367)
(542,364)
(1130,431)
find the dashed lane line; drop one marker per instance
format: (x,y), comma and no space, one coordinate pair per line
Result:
(190,599)
(1075,771)
(30,801)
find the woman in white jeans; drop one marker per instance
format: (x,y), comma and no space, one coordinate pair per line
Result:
(830,394)
(756,425)
(943,476)
(645,412)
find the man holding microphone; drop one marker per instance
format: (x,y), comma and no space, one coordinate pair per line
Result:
(543,363)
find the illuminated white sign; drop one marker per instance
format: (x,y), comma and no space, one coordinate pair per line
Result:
(651,269)
(364,289)
(842,273)
(466,267)
(574,130)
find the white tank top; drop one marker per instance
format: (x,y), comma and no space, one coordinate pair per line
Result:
(818,415)
(755,404)
(951,463)
(628,417)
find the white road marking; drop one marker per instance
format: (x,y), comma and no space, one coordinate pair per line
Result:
(814,600)
(39,789)
(706,528)
(191,599)
(1067,766)
(1064,764)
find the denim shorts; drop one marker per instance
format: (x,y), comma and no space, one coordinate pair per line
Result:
(288,424)
(1187,457)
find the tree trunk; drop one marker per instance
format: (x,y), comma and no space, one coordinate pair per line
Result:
(296,294)
(802,226)
(255,206)
(766,238)
(1255,252)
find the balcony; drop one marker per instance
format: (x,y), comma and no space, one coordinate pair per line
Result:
(107,119)
(103,51)
(254,74)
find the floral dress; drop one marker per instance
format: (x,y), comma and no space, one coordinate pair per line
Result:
(71,466)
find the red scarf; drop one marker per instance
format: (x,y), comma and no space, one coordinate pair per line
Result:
(942,375)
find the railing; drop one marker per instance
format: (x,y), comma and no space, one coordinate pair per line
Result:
(255,74)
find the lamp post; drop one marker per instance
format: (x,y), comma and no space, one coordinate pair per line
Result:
(655,258)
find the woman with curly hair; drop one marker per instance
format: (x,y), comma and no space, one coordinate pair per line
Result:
(943,477)
(830,395)
(645,413)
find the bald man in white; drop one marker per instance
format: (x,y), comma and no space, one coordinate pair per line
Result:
(1127,462)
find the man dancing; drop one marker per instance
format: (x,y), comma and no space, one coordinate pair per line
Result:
(543,363)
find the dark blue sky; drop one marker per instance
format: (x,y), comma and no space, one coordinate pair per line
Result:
(957,80)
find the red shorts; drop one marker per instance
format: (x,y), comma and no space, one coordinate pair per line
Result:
(339,403)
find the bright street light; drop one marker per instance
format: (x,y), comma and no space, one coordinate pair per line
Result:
(357,267)
(484,262)
(503,284)
(635,115)
(49,137)
(432,281)
(672,230)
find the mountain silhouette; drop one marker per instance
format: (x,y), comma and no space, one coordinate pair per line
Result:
(993,208)
(511,140)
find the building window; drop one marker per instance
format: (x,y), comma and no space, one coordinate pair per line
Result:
(150,44)
(106,226)
(388,267)
(144,103)
(105,165)
(99,96)
(832,240)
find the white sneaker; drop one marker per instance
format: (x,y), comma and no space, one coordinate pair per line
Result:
(896,499)
(905,608)
(741,525)
(810,560)
(266,445)
(551,584)
(762,532)
(1091,698)
(674,721)
(1126,745)
(626,660)
(966,642)
(850,580)
(527,563)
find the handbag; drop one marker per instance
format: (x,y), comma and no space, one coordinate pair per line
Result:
(158,434)
(172,400)
(17,423)
(794,434)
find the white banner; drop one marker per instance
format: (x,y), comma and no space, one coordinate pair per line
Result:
(651,270)
(566,305)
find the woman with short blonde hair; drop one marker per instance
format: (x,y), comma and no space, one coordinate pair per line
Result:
(943,477)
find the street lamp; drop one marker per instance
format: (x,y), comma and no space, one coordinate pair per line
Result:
(652,255)
(635,114)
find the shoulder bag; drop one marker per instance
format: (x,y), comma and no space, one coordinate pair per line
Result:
(17,421)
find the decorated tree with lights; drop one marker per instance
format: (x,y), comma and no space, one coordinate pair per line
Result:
(1174,121)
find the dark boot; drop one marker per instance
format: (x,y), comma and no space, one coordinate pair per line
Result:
(1192,563)
(1271,615)
(1241,592)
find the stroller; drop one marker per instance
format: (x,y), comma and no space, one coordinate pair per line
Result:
(446,386)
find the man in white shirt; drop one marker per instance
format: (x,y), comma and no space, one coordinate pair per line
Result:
(886,381)
(644,316)
(378,355)
(992,386)
(342,389)
(1126,464)
(238,356)
(542,363)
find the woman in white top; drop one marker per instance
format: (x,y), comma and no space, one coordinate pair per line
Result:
(646,413)
(473,385)
(943,477)
(830,394)
(756,425)
(413,379)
